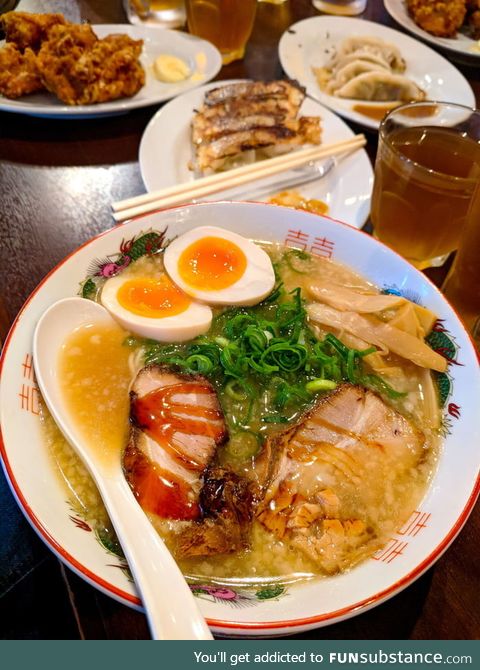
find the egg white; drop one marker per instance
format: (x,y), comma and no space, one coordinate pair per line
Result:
(253,286)
(195,320)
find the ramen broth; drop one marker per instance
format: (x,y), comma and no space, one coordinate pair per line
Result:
(95,376)
(97,368)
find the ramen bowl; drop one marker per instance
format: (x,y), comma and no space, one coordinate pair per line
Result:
(273,607)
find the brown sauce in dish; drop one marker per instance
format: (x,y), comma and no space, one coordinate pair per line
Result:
(421,111)
(376,112)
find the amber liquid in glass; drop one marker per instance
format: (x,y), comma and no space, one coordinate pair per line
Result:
(225,23)
(419,208)
(162,5)
(462,286)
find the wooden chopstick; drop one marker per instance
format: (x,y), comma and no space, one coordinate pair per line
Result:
(186,192)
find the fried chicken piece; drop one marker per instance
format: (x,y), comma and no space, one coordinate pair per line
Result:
(27,30)
(80,69)
(18,72)
(442,19)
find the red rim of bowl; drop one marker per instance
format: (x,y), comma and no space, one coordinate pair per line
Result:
(292,624)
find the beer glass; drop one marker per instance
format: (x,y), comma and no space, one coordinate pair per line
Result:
(426,171)
(462,286)
(226,23)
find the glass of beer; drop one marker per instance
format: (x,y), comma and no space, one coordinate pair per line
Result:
(426,171)
(462,285)
(226,23)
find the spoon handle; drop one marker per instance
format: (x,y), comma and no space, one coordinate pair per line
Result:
(170,605)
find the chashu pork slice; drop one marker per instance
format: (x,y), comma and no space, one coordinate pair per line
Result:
(335,471)
(170,463)
(177,425)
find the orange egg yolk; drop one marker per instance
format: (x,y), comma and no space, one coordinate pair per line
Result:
(153,298)
(211,263)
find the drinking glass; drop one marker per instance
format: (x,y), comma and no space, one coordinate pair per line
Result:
(426,171)
(462,286)
(168,13)
(226,23)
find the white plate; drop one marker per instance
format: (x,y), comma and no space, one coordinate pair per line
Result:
(462,44)
(202,57)
(276,608)
(308,44)
(165,151)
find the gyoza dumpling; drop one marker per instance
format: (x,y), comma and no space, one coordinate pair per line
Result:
(389,52)
(365,55)
(381,87)
(351,70)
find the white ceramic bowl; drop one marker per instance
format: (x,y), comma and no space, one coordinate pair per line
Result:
(273,610)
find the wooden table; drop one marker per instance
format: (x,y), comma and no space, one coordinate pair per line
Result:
(57,179)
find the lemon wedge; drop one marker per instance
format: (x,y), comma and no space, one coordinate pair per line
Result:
(170,69)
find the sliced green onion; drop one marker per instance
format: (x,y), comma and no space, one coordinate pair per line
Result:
(221,341)
(275,294)
(243,444)
(320,385)
(261,366)
(366,352)
(199,363)
(351,356)
(255,337)
(288,357)
(379,384)
(295,259)
(275,419)
(236,390)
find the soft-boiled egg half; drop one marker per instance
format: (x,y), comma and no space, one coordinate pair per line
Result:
(219,267)
(155,307)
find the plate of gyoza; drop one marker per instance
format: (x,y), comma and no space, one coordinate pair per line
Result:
(361,69)
(232,123)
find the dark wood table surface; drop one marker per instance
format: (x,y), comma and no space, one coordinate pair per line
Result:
(57,180)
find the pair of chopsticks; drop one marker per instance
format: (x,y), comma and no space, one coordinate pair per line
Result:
(200,188)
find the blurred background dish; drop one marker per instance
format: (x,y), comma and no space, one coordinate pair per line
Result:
(462,46)
(201,57)
(312,42)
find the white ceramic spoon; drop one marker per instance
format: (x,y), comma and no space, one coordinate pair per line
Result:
(170,606)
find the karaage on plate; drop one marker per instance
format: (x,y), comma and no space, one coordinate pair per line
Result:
(27,30)
(80,69)
(18,72)
(442,19)
(44,51)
